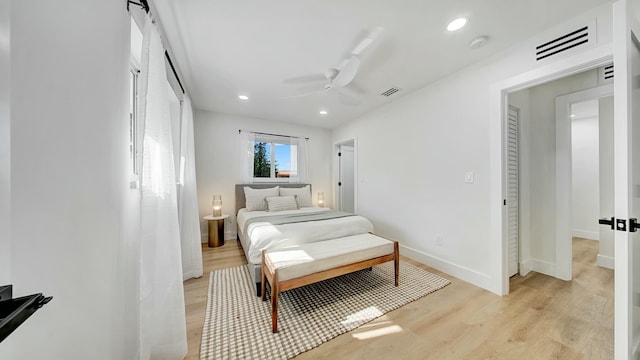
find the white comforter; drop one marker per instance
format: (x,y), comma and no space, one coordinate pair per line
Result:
(262,235)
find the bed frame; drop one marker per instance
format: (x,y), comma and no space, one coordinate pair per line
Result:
(255,269)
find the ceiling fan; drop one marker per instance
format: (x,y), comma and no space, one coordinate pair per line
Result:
(340,76)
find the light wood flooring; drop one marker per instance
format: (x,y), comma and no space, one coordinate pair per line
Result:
(542,317)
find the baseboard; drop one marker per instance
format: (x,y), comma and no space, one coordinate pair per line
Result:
(538,266)
(190,274)
(591,235)
(204,238)
(471,276)
(605,261)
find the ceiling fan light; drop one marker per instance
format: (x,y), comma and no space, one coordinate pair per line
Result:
(457,24)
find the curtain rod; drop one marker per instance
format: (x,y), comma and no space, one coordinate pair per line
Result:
(145,5)
(262,133)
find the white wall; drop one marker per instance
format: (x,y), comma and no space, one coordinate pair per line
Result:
(413,188)
(69,174)
(5,167)
(217,146)
(585,164)
(606,255)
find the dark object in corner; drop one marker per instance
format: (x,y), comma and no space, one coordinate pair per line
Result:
(13,312)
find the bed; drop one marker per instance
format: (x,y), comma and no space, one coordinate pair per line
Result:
(267,219)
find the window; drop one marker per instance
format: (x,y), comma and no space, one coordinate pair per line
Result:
(272,158)
(133,119)
(136,54)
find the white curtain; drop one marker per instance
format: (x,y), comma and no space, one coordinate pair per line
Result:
(188,202)
(300,157)
(162,312)
(247,140)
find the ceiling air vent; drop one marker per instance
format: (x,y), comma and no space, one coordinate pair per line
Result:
(390,91)
(580,37)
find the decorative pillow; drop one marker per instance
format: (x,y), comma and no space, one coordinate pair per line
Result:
(254,198)
(280,203)
(303,195)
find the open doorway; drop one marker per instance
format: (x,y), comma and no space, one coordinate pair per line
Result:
(558,184)
(346,175)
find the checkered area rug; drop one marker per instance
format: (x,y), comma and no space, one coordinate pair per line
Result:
(238,323)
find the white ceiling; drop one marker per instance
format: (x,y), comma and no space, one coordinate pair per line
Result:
(227,47)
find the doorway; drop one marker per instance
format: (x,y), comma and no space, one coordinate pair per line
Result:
(346,175)
(542,187)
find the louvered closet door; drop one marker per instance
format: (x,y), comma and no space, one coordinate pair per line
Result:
(512,190)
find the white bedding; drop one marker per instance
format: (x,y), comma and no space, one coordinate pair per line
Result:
(263,235)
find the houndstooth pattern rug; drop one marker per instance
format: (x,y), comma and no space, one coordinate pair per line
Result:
(238,323)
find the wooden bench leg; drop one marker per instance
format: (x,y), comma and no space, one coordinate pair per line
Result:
(274,303)
(396,261)
(263,278)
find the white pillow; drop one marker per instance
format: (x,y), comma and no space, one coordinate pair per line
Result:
(254,198)
(280,203)
(303,195)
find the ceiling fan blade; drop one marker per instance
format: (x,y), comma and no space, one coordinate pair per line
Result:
(302,94)
(367,41)
(304,79)
(347,72)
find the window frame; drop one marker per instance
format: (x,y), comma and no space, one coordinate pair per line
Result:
(134,75)
(272,141)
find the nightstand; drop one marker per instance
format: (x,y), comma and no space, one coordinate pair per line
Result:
(216,229)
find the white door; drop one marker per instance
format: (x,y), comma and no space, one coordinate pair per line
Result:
(626,179)
(346,181)
(513,228)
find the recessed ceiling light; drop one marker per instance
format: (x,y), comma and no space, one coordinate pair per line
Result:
(323,112)
(573,115)
(243,97)
(457,24)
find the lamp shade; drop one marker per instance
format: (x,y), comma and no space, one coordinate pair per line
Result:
(216,205)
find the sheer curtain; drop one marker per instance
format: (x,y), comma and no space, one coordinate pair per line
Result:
(188,206)
(247,139)
(299,158)
(162,316)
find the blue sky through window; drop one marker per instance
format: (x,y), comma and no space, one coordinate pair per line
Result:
(283,156)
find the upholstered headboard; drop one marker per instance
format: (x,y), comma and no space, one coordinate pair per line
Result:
(240,199)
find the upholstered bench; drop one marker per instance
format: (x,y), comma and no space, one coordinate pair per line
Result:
(295,266)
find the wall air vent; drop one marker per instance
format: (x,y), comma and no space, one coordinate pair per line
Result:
(580,37)
(605,74)
(390,91)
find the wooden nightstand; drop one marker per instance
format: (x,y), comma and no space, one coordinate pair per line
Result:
(216,229)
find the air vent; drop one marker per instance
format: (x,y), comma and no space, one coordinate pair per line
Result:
(390,91)
(606,73)
(580,37)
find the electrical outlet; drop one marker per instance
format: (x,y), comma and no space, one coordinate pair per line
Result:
(468,177)
(438,240)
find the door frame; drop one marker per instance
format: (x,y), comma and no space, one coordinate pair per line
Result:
(589,59)
(336,171)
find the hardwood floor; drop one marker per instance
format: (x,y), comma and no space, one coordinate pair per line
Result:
(542,317)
